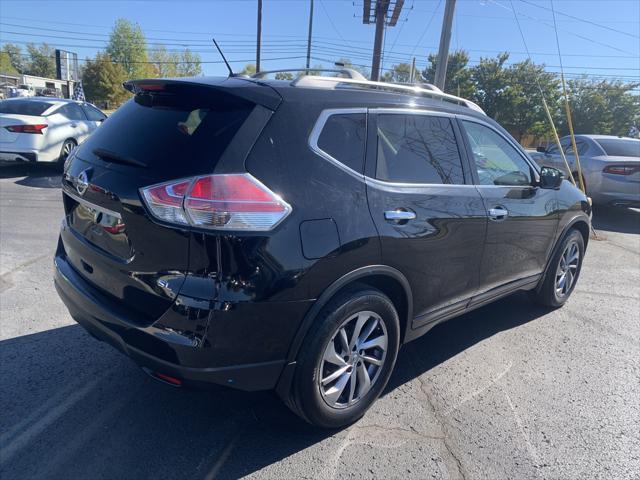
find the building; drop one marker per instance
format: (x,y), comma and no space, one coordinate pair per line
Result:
(35,85)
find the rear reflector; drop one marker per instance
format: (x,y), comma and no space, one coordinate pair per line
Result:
(220,202)
(27,128)
(622,169)
(166,378)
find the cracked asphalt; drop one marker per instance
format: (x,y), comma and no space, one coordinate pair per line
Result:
(510,391)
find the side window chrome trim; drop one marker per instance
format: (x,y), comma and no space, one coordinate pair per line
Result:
(317,130)
(374,182)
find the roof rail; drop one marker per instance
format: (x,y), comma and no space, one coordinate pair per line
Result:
(344,72)
(428,91)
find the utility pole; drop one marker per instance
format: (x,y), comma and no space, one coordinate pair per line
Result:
(310,33)
(445,39)
(380,9)
(259,40)
(413,71)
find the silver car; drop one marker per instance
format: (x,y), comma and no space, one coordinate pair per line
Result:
(610,166)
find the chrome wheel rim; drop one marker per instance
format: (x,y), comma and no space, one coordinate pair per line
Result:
(67,148)
(353,359)
(567,270)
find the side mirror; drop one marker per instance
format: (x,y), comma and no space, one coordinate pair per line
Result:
(550,177)
(541,149)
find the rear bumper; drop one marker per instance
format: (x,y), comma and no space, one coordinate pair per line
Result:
(151,343)
(25,156)
(616,199)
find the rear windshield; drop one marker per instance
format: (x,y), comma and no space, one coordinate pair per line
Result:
(24,107)
(170,134)
(620,147)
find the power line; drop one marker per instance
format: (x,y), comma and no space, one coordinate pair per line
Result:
(584,20)
(424,32)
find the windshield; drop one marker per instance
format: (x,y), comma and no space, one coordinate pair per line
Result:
(620,147)
(24,107)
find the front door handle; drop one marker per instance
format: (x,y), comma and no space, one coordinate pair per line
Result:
(498,213)
(399,215)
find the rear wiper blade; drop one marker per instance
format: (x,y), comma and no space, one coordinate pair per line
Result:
(110,156)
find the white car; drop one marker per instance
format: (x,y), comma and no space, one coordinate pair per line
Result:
(42,129)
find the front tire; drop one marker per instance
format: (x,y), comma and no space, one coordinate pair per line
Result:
(563,272)
(346,358)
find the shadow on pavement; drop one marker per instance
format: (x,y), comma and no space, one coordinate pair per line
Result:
(72,407)
(621,220)
(32,175)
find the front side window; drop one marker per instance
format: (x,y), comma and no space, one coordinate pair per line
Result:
(343,138)
(497,161)
(417,149)
(93,114)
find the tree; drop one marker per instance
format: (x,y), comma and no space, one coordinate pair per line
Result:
(490,80)
(102,80)
(190,64)
(284,76)
(165,63)
(128,47)
(249,69)
(606,107)
(14,53)
(42,61)
(6,68)
(458,77)
(398,74)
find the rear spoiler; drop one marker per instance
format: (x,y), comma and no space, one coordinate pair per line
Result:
(252,91)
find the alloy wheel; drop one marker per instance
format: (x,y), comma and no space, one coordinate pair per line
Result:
(567,270)
(353,359)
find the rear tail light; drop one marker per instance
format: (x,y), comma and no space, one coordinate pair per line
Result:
(27,128)
(221,202)
(622,169)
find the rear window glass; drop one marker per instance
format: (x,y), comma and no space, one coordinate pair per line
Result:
(24,107)
(343,138)
(169,135)
(620,147)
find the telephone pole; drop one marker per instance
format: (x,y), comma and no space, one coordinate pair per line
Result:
(309,37)
(259,40)
(445,39)
(378,12)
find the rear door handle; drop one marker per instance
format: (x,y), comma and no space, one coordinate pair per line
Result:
(399,215)
(498,213)
(74,125)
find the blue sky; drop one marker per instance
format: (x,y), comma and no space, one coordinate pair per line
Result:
(599,38)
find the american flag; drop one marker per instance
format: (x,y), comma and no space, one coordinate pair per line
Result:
(78,92)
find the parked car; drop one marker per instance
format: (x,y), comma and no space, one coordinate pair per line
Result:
(610,166)
(42,129)
(25,91)
(268,234)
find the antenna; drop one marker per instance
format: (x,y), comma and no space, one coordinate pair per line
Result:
(231,74)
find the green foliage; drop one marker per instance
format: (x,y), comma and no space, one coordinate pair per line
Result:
(128,47)
(14,54)
(165,64)
(102,81)
(249,69)
(606,107)
(284,76)
(190,64)
(6,68)
(458,78)
(42,61)
(398,74)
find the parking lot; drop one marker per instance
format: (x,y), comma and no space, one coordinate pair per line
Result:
(508,391)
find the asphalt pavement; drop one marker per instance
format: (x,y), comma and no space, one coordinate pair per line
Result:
(510,391)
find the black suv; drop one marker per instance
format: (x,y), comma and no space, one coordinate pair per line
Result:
(292,235)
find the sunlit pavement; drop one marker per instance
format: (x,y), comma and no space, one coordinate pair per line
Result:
(508,391)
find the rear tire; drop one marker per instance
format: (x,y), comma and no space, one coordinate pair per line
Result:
(563,272)
(346,358)
(67,147)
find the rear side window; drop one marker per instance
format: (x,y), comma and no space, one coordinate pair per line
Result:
(343,138)
(172,135)
(93,114)
(72,111)
(417,149)
(24,107)
(620,147)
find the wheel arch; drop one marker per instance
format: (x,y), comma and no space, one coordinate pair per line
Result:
(387,279)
